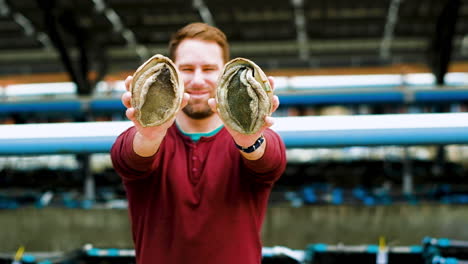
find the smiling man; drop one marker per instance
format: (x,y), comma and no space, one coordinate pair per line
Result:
(194,197)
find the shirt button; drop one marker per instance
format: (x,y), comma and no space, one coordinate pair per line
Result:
(194,169)
(194,158)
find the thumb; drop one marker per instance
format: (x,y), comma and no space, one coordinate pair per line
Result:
(185,100)
(213,105)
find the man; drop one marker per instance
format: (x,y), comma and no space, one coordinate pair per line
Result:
(193,196)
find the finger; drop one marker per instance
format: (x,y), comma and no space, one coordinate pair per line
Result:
(128,83)
(269,121)
(275,103)
(272,82)
(126,99)
(185,100)
(213,105)
(130,113)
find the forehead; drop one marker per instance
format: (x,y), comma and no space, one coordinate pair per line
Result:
(195,51)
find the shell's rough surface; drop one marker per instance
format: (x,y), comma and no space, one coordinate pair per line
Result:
(157,90)
(244,96)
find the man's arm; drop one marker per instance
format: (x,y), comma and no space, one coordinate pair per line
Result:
(272,163)
(126,162)
(147,139)
(147,147)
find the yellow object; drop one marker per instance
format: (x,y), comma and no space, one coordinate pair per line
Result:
(19,253)
(382,244)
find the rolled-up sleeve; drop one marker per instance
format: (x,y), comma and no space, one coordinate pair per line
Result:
(128,164)
(272,164)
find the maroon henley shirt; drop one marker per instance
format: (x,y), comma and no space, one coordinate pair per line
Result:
(197,203)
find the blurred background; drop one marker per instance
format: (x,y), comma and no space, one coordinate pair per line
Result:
(64,61)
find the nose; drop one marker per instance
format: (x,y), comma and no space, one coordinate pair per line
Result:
(198,80)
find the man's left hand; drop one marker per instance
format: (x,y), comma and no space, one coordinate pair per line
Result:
(246,140)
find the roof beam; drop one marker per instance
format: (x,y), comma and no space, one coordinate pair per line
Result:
(387,39)
(440,52)
(300,22)
(101,7)
(4,8)
(204,12)
(265,47)
(25,23)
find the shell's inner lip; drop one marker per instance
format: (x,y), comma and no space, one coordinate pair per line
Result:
(239,99)
(243,99)
(159,97)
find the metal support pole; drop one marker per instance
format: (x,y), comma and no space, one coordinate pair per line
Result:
(407,186)
(89,182)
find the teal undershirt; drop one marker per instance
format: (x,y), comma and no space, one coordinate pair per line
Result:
(196,136)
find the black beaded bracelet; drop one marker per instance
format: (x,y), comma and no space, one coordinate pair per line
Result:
(252,148)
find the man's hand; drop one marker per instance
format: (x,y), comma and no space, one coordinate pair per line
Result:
(244,140)
(147,139)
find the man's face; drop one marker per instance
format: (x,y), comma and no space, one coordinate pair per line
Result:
(200,63)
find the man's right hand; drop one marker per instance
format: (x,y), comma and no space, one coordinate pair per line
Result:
(147,139)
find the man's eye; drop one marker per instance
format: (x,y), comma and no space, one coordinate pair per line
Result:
(186,69)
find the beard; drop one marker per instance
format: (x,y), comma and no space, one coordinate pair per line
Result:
(197,112)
